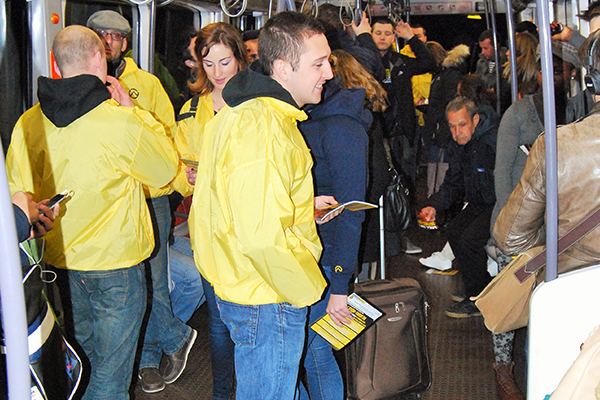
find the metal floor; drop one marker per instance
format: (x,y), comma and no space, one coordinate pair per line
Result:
(460,350)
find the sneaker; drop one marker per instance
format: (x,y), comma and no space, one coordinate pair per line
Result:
(506,386)
(177,361)
(409,247)
(464,309)
(151,380)
(458,297)
(437,261)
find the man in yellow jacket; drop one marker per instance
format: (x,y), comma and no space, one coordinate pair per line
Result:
(254,233)
(165,332)
(78,138)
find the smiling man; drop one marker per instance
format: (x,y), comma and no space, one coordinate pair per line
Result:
(254,233)
(470,178)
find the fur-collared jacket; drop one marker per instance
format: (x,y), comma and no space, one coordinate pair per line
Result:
(444,84)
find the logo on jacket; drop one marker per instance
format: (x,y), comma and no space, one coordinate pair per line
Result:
(133,93)
(338,269)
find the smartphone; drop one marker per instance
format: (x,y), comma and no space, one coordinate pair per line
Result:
(58,198)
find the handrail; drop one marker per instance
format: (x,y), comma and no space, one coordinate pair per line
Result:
(550,139)
(13,298)
(510,23)
(491,10)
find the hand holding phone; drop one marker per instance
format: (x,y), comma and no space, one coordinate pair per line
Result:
(58,198)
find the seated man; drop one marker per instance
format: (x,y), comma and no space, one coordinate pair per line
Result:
(470,178)
(78,138)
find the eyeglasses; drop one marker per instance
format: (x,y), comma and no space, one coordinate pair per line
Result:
(116,36)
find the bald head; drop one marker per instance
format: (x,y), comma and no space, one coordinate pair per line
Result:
(78,50)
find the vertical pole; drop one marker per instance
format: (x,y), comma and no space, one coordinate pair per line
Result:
(550,138)
(381,237)
(492,11)
(13,298)
(510,24)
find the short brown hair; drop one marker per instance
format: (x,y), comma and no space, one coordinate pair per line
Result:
(73,48)
(207,37)
(283,36)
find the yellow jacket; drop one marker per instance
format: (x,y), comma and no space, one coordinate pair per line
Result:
(104,157)
(254,233)
(204,112)
(420,84)
(146,92)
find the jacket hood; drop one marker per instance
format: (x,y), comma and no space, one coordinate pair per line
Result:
(251,83)
(65,100)
(457,56)
(488,121)
(339,101)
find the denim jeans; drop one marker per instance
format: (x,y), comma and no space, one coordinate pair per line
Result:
(269,340)
(322,371)
(165,332)
(108,307)
(221,348)
(187,294)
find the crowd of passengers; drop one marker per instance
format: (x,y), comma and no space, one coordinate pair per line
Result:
(278,125)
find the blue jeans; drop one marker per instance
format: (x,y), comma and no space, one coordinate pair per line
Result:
(187,294)
(322,371)
(165,332)
(108,307)
(221,348)
(269,340)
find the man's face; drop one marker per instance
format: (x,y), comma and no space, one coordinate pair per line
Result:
(252,48)
(305,83)
(461,126)
(383,35)
(420,34)
(487,49)
(594,24)
(114,43)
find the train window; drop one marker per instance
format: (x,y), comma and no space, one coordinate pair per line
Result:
(173,28)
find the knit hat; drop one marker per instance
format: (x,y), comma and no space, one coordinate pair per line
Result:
(108,19)
(566,52)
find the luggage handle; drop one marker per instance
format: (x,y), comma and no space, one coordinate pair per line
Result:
(381,238)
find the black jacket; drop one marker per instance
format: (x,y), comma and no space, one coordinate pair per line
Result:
(470,175)
(400,117)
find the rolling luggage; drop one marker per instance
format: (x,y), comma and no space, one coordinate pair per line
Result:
(390,359)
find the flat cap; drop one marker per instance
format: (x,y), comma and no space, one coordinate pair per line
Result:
(107,19)
(566,52)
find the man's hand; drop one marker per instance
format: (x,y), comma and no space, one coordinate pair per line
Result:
(191,175)
(363,27)
(565,35)
(324,202)
(427,214)
(46,220)
(337,308)
(404,30)
(118,93)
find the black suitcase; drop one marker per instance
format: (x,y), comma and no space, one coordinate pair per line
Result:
(390,359)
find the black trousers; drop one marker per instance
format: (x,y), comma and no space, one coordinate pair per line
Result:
(468,233)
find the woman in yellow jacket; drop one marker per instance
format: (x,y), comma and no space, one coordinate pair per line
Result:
(220,54)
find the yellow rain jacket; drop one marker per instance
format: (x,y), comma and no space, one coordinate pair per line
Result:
(254,233)
(420,84)
(146,92)
(198,110)
(103,153)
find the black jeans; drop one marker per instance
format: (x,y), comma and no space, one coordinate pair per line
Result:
(468,233)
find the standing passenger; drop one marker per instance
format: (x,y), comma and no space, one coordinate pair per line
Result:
(336,134)
(254,233)
(165,332)
(79,139)
(221,55)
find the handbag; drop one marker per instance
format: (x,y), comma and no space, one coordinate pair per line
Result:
(397,207)
(504,302)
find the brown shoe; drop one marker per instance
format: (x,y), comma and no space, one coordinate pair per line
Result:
(506,386)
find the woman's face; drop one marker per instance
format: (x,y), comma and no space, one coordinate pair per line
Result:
(220,65)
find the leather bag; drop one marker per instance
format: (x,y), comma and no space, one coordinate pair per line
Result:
(397,206)
(504,303)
